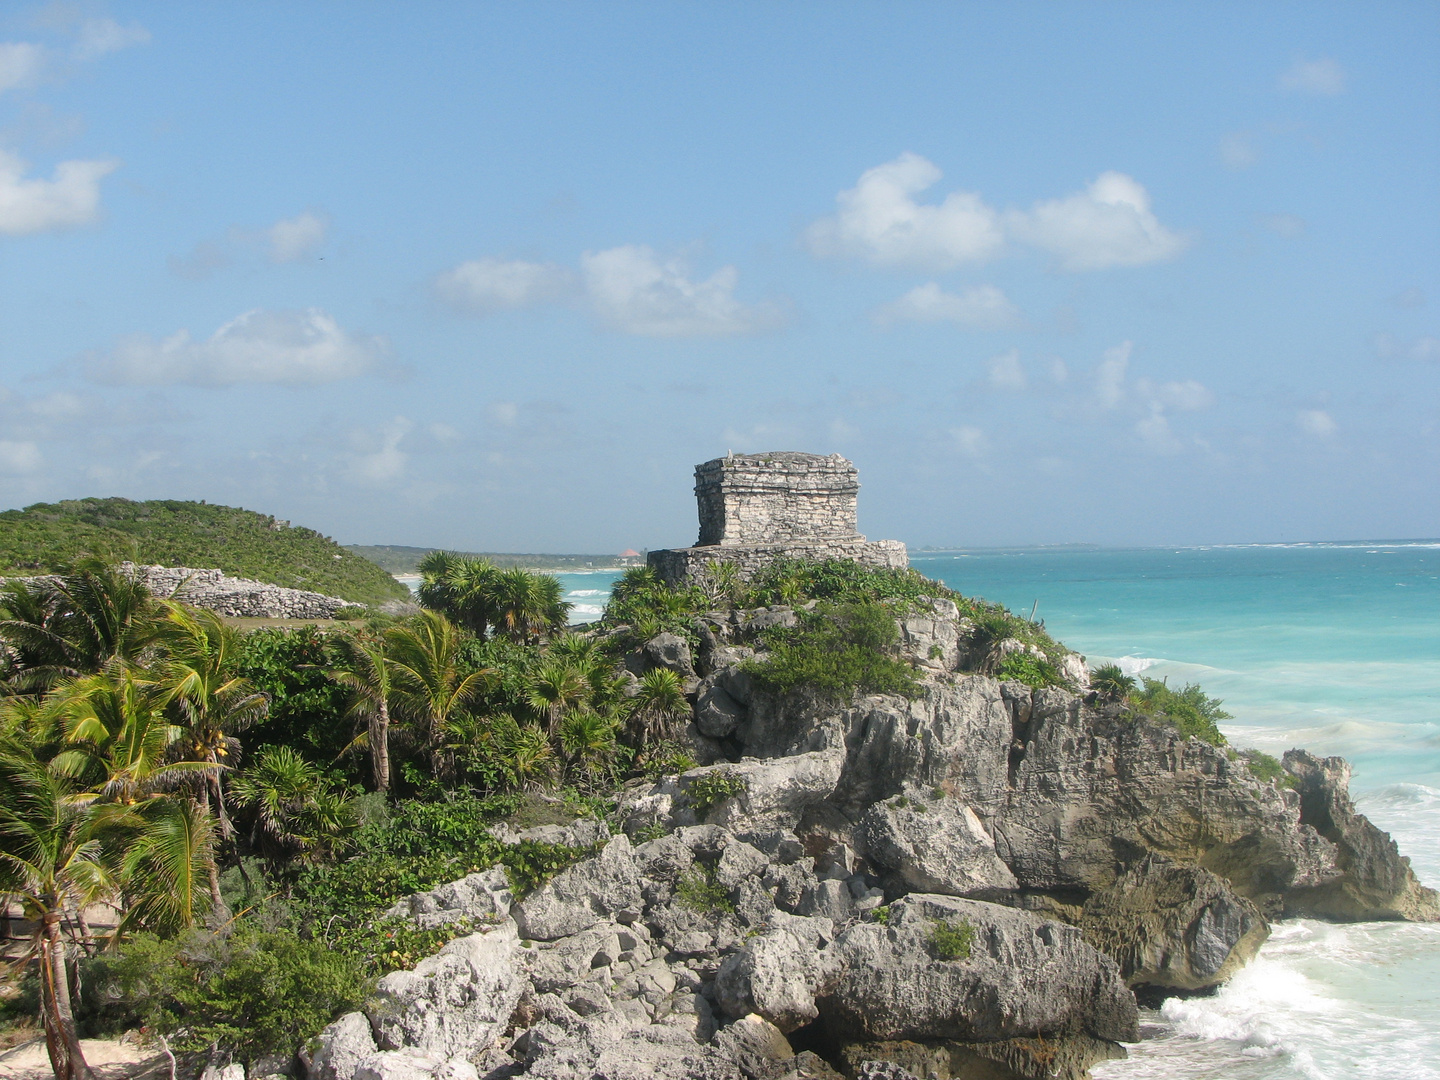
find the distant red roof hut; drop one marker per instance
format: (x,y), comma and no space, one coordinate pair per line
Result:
(629,555)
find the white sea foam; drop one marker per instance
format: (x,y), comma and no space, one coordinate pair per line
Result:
(588,592)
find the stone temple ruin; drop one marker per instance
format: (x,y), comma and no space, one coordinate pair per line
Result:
(755,508)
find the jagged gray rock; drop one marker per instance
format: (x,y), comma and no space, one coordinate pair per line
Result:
(1377,881)
(455,1002)
(337,1051)
(484,896)
(587,893)
(934,845)
(1023,976)
(414,1065)
(1175,927)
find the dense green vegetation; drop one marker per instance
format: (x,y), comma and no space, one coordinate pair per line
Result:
(46,537)
(1189,709)
(398,559)
(838,650)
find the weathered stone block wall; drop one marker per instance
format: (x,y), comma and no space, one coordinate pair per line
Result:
(678,566)
(239,597)
(776,498)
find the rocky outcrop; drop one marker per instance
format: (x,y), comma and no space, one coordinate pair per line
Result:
(482,897)
(1376,881)
(455,1002)
(1042,856)
(1173,927)
(1019,975)
(584,895)
(934,846)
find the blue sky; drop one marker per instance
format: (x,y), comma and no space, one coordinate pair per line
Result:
(498,276)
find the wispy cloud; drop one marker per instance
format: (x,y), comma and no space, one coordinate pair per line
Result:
(482,286)
(1316,422)
(635,291)
(1389,347)
(290,348)
(293,239)
(983,307)
(21,63)
(1005,372)
(1323,77)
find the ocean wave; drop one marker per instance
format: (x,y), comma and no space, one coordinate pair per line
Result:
(588,592)
(1320,1001)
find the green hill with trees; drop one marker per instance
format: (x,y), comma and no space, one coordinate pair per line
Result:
(172,532)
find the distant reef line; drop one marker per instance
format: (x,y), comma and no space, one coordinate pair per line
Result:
(400,559)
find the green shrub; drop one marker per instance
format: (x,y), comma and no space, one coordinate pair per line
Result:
(951,940)
(1267,769)
(838,650)
(249,992)
(667,758)
(1033,671)
(699,891)
(712,789)
(794,581)
(881,915)
(1110,682)
(1190,710)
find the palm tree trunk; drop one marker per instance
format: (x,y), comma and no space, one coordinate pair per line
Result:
(217,902)
(61,1038)
(380,746)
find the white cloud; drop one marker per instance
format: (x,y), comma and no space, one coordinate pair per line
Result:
(292,239)
(203,260)
(1006,372)
(20,64)
(1321,78)
(293,348)
(879,220)
(485,285)
(1110,375)
(504,412)
(1238,150)
(1154,431)
(32,205)
(387,462)
(1059,372)
(632,290)
(1187,396)
(1315,422)
(1110,223)
(1413,297)
(970,441)
(1389,347)
(983,307)
(19,457)
(97,37)
(1290,226)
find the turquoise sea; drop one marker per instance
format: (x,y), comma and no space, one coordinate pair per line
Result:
(1333,647)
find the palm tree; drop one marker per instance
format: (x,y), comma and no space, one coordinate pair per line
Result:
(296,811)
(461,587)
(209,701)
(50,861)
(528,604)
(75,622)
(1111,682)
(119,735)
(429,683)
(554,689)
(365,670)
(167,866)
(660,702)
(588,740)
